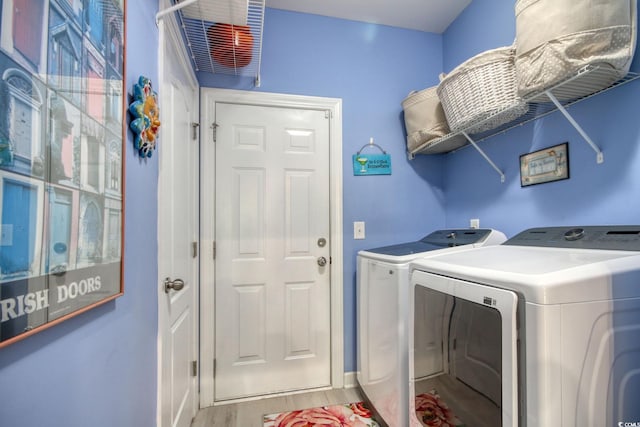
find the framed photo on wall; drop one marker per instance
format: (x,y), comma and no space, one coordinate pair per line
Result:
(546,165)
(61,160)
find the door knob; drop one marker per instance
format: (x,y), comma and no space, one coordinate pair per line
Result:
(176,285)
(322,261)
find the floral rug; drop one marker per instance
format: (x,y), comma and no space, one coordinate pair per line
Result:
(347,415)
(432,411)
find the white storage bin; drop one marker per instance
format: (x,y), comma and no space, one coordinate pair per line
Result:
(556,38)
(482,89)
(423,118)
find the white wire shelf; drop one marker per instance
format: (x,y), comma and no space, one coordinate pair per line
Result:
(197,17)
(570,91)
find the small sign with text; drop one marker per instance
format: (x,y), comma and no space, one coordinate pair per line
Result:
(371,164)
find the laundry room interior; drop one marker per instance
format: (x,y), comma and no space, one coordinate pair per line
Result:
(102,366)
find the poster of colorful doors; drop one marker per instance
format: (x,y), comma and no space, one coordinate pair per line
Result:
(61,151)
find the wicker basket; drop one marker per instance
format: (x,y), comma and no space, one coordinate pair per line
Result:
(482,90)
(424,118)
(556,38)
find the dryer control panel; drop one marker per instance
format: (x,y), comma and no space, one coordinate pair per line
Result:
(439,239)
(615,237)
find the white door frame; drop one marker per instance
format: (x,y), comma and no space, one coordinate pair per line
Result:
(208,99)
(169,33)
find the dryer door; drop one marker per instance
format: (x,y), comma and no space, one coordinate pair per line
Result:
(382,342)
(471,331)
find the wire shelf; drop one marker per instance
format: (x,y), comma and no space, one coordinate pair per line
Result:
(570,91)
(197,19)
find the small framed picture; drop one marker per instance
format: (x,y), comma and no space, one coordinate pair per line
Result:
(546,165)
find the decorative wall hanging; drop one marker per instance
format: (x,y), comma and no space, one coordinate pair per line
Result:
(549,164)
(61,173)
(371,164)
(145,113)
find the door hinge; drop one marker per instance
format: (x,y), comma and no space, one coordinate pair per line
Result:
(330,260)
(194,368)
(194,130)
(214,129)
(214,249)
(194,249)
(327,114)
(214,367)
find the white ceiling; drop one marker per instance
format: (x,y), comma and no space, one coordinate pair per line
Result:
(424,15)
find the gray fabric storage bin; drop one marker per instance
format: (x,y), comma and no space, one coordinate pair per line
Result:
(556,38)
(423,118)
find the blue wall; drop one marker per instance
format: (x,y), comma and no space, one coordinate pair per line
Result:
(372,68)
(99,369)
(483,25)
(594,194)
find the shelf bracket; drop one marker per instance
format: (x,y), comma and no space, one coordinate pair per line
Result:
(482,153)
(565,113)
(161,14)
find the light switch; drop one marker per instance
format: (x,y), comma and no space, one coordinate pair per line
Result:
(358,230)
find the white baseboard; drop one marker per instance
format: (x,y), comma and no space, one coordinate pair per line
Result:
(350,380)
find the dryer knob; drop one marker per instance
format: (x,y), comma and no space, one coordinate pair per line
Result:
(574,234)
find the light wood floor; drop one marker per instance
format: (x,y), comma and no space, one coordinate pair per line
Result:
(249,414)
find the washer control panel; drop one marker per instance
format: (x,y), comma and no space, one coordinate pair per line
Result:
(615,237)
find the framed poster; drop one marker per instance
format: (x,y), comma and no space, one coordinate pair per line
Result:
(546,165)
(61,160)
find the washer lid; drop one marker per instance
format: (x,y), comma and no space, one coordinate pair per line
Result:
(544,275)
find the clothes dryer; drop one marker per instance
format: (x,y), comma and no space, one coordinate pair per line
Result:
(543,330)
(383,297)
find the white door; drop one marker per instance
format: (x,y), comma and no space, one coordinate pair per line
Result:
(177,232)
(272,275)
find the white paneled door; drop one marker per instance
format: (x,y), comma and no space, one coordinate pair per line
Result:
(177,234)
(272,275)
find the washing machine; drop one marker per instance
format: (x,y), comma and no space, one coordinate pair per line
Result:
(542,330)
(382,306)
